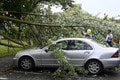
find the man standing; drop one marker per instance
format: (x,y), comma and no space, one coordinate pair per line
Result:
(109,38)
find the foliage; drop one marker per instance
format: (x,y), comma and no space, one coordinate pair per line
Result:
(74,16)
(83,21)
(38,35)
(29,5)
(20,9)
(65,68)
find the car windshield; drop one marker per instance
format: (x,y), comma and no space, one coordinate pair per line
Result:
(98,43)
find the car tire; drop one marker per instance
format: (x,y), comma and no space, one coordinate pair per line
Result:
(94,67)
(26,63)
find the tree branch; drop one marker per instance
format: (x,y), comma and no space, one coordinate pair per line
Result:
(10,45)
(30,23)
(14,41)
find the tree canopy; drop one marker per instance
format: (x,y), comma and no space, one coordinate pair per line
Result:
(39,25)
(29,5)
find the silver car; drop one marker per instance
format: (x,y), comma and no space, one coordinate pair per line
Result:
(94,56)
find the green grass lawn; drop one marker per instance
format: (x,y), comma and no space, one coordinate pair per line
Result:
(5,51)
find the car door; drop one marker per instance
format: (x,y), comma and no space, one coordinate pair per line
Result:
(78,51)
(48,58)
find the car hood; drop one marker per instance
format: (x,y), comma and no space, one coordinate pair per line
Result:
(31,51)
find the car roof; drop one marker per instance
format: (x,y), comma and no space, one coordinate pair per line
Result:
(82,39)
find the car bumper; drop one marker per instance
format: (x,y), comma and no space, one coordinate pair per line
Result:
(112,62)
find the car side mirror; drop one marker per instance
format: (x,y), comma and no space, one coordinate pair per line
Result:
(46,50)
(50,48)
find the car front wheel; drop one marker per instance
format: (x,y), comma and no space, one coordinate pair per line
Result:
(94,67)
(26,63)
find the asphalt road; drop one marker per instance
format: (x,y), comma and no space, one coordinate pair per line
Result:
(9,72)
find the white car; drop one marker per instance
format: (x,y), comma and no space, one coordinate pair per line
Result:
(84,52)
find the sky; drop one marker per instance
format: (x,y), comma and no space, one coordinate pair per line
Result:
(110,7)
(94,7)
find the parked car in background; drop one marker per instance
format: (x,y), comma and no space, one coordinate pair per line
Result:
(93,56)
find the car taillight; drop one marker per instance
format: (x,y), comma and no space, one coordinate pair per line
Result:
(116,55)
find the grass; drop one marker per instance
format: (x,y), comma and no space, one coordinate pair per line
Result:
(7,51)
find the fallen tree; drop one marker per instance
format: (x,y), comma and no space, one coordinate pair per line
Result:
(30,23)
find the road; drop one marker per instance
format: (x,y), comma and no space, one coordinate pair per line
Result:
(9,72)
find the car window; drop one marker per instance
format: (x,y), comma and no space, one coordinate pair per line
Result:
(79,45)
(74,45)
(71,45)
(63,44)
